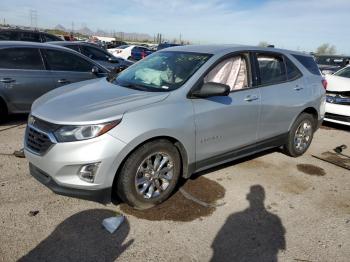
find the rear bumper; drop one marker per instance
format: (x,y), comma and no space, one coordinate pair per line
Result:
(97,195)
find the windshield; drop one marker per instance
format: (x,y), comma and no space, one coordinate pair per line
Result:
(345,72)
(162,71)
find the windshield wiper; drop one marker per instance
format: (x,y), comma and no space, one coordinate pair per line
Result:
(133,86)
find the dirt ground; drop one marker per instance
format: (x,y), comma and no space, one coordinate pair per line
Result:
(270,207)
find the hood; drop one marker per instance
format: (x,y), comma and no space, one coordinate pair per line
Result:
(338,83)
(92,101)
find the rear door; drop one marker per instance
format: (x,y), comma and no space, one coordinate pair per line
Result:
(23,77)
(66,67)
(283,94)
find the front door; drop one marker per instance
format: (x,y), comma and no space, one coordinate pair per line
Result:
(23,77)
(66,67)
(224,124)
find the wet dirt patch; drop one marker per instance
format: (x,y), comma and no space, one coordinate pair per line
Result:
(295,186)
(311,170)
(179,208)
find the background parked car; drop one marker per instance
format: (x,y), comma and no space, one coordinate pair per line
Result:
(27,35)
(330,64)
(338,97)
(97,54)
(166,45)
(131,52)
(28,70)
(115,44)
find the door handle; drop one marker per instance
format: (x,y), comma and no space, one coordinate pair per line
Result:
(63,81)
(298,88)
(7,80)
(250,98)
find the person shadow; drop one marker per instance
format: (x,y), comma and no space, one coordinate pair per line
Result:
(81,237)
(250,235)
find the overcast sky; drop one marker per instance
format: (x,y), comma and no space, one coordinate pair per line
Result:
(292,24)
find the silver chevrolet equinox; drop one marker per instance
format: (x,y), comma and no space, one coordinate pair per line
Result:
(178,111)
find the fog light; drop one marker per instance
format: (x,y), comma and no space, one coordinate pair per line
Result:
(87,172)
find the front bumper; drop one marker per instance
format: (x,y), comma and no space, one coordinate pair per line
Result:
(337,114)
(100,195)
(58,168)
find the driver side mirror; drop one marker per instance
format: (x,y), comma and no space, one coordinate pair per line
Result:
(95,70)
(113,60)
(211,89)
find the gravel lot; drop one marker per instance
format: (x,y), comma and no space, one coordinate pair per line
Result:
(275,207)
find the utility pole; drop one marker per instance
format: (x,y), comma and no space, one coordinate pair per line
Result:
(180,38)
(33,15)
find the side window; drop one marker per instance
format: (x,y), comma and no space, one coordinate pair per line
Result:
(271,68)
(94,53)
(232,72)
(65,61)
(29,36)
(8,35)
(21,58)
(292,71)
(309,63)
(50,38)
(73,47)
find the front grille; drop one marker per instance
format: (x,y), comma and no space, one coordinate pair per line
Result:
(337,117)
(37,141)
(44,126)
(340,98)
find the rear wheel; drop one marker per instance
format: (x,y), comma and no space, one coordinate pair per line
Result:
(300,135)
(149,175)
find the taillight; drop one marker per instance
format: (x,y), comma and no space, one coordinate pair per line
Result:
(324,83)
(143,55)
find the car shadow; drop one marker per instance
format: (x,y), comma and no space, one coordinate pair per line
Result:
(81,237)
(331,125)
(17,119)
(253,234)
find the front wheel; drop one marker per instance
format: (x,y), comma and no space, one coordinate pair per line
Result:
(149,175)
(300,135)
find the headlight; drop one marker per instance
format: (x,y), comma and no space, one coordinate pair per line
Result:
(77,133)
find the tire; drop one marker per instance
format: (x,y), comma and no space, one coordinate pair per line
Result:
(3,111)
(139,174)
(303,127)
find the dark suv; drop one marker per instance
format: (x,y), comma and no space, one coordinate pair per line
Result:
(27,35)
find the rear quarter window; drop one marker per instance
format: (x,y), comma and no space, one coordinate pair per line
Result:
(292,71)
(309,63)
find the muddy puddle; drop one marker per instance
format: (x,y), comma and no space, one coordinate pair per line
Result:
(311,170)
(179,208)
